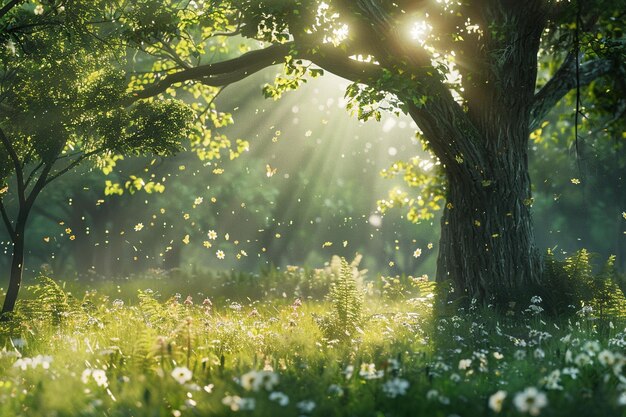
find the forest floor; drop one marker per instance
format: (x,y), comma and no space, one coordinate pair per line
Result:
(279,345)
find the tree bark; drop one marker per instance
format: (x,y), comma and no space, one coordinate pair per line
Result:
(17,265)
(487,247)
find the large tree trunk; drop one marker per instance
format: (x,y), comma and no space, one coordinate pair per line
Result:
(17,265)
(487,241)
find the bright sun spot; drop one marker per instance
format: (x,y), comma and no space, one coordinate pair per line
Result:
(420,30)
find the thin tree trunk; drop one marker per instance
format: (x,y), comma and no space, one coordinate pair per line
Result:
(17,265)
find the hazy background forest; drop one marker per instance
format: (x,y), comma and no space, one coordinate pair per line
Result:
(307,189)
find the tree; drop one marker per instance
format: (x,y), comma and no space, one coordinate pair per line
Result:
(477,125)
(62,104)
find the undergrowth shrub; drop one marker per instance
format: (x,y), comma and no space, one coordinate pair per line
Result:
(571,286)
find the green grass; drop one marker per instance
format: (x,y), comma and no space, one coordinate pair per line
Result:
(111,352)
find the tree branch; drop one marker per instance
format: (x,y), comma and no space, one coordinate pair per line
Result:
(73,164)
(7,7)
(562,82)
(220,73)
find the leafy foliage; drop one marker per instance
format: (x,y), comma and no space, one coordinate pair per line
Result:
(346,299)
(572,287)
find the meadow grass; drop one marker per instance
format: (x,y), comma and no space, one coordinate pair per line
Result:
(253,345)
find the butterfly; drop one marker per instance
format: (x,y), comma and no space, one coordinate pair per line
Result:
(269,171)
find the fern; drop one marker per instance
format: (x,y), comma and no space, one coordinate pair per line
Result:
(347,303)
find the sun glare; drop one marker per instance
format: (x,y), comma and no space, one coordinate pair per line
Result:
(419,31)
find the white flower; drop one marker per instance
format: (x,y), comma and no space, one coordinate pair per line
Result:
(530,401)
(571,372)
(368,371)
(395,387)
(23,364)
(306,406)
(198,201)
(212,235)
(497,400)
(100,377)
(280,398)
(349,371)
(552,380)
(606,358)
(39,9)
(335,390)
(255,380)
(539,353)
(237,403)
(621,400)
(181,374)
(417,253)
(464,364)
(43,361)
(535,299)
(583,359)
(220,254)
(85,375)
(138,227)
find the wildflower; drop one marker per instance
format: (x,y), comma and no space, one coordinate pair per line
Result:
(306,406)
(43,361)
(138,227)
(571,372)
(38,9)
(498,355)
(212,235)
(100,377)
(592,347)
(220,254)
(497,400)
(606,358)
(464,364)
(255,380)
(335,390)
(417,253)
(23,364)
(539,353)
(181,374)
(552,380)
(432,394)
(281,398)
(535,299)
(348,371)
(237,403)
(583,359)
(368,371)
(198,201)
(530,401)
(208,388)
(395,387)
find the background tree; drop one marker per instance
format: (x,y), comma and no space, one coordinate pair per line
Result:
(62,104)
(477,124)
